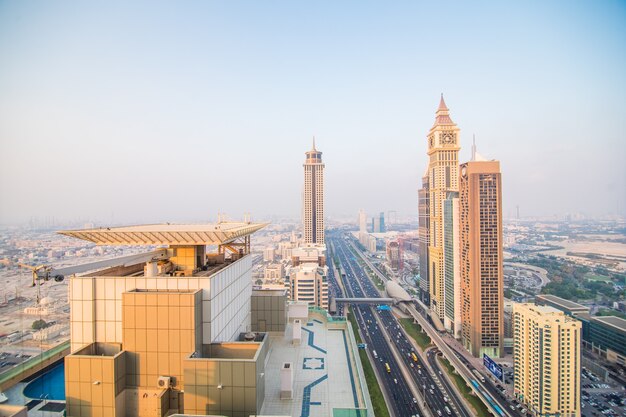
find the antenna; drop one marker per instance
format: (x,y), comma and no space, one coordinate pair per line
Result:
(473,147)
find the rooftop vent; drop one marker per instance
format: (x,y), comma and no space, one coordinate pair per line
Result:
(249,337)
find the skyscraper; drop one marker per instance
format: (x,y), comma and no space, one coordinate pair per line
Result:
(452,288)
(443,168)
(480,257)
(313,198)
(362,221)
(424,238)
(383,229)
(547,354)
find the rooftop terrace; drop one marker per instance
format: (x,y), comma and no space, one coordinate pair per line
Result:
(327,375)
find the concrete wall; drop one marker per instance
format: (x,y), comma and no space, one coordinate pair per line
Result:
(92,384)
(268,313)
(160,330)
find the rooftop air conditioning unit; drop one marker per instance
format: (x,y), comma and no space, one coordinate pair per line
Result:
(164,382)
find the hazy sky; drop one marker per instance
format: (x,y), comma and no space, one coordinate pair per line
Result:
(158,111)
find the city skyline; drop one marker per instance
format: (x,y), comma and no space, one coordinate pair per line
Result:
(180,89)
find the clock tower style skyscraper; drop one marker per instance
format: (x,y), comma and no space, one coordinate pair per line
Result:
(313,198)
(443,178)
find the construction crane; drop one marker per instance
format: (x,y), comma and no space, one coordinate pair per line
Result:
(44,273)
(41,274)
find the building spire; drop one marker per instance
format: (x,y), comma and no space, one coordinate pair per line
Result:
(442,104)
(443,114)
(313,149)
(473,147)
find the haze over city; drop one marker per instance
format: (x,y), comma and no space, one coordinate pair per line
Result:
(163,111)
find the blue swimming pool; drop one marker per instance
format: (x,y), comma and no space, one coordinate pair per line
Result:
(52,384)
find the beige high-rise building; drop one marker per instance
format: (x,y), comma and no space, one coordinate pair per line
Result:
(547,354)
(480,257)
(313,198)
(443,168)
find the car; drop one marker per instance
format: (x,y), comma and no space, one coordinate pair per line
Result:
(445,399)
(395,381)
(439,413)
(432,392)
(414,400)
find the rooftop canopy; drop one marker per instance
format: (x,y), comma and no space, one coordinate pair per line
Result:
(167,234)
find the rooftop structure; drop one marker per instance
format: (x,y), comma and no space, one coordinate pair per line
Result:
(566,306)
(168,234)
(605,335)
(617,323)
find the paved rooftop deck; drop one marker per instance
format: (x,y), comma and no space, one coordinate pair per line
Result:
(567,304)
(326,376)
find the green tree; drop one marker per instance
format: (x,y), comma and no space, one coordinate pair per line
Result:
(39,324)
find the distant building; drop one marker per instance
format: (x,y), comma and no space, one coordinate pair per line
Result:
(307,282)
(568,307)
(313,197)
(368,241)
(269,254)
(606,336)
(452,276)
(481,258)
(424,239)
(274,271)
(381,222)
(309,254)
(375,224)
(394,255)
(362,221)
(547,357)
(285,249)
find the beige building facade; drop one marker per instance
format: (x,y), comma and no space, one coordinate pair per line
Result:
(481,258)
(443,168)
(547,357)
(307,282)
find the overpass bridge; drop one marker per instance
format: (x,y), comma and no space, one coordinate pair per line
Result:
(377,300)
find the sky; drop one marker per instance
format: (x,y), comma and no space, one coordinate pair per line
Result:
(138,112)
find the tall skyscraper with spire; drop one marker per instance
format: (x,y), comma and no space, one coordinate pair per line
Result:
(443,178)
(313,198)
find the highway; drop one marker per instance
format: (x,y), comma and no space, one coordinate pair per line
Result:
(387,336)
(493,399)
(397,391)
